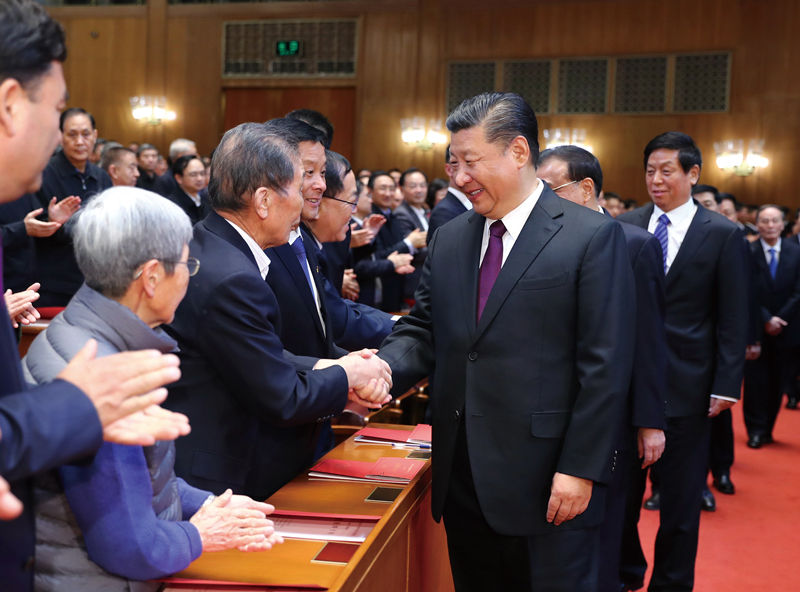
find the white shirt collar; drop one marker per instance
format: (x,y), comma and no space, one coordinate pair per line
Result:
(294,235)
(195,200)
(679,214)
(262,261)
(461,197)
(420,211)
(766,247)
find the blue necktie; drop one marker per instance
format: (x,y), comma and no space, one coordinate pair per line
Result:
(300,251)
(773,263)
(662,236)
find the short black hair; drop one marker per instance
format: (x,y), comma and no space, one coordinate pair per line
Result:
(180,165)
(504,117)
(112,156)
(72,112)
(631,203)
(336,169)
(729,196)
(30,41)
(317,120)
(447,154)
(300,130)
(433,187)
(395,170)
(375,175)
(581,164)
(407,172)
(707,189)
(250,156)
(688,153)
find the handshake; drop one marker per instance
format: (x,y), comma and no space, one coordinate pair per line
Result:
(369,378)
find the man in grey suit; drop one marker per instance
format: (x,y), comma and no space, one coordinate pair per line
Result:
(523,312)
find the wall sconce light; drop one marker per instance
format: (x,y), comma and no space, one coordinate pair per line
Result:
(730,156)
(414,133)
(151,109)
(564,136)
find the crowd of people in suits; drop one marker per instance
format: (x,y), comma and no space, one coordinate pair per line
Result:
(273,271)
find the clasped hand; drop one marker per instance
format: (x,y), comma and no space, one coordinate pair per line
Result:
(369,378)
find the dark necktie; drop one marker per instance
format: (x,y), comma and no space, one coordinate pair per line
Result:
(773,263)
(663,236)
(492,262)
(300,251)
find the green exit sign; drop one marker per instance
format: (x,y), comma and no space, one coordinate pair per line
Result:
(289,48)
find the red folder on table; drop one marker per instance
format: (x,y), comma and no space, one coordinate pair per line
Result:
(420,436)
(386,470)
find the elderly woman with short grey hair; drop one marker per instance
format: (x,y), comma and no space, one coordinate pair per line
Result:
(125,517)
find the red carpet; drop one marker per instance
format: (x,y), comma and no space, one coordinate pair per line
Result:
(752,542)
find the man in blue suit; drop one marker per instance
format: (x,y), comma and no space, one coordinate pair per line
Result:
(90,400)
(254,407)
(575,174)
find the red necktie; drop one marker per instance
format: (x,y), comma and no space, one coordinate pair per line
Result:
(492,262)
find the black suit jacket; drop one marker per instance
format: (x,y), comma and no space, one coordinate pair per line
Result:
(779,297)
(235,375)
(184,202)
(41,429)
(409,220)
(706,312)
(338,258)
(444,211)
(367,269)
(542,379)
(19,249)
(648,392)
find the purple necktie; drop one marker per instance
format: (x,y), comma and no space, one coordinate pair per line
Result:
(492,262)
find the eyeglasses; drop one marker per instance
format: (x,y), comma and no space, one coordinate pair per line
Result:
(195,175)
(192,264)
(564,185)
(353,204)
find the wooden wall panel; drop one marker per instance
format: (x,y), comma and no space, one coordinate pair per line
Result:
(103,70)
(245,104)
(405,46)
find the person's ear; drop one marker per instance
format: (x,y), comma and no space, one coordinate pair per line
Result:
(587,189)
(694,174)
(151,277)
(262,198)
(520,151)
(12,97)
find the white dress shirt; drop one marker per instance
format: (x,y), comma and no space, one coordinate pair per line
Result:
(461,197)
(679,221)
(293,236)
(766,248)
(261,257)
(513,221)
(422,216)
(195,198)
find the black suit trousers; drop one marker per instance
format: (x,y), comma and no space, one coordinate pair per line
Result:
(611,530)
(682,470)
(766,379)
(484,561)
(721,454)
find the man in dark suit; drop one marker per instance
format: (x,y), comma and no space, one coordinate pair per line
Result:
(69,418)
(776,265)
(412,216)
(454,203)
(575,175)
(189,173)
(522,311)
(254,407)
(69,174)
(706,337)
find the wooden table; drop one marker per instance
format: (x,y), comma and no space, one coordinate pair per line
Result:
(29,333)
(405,552)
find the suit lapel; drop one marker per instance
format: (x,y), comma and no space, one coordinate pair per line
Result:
(641,216)
(456,202)
(537,232)
(695,235)
(469,250)
(316,273)
(290,261)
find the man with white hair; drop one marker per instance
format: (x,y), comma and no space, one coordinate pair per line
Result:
(166,183)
